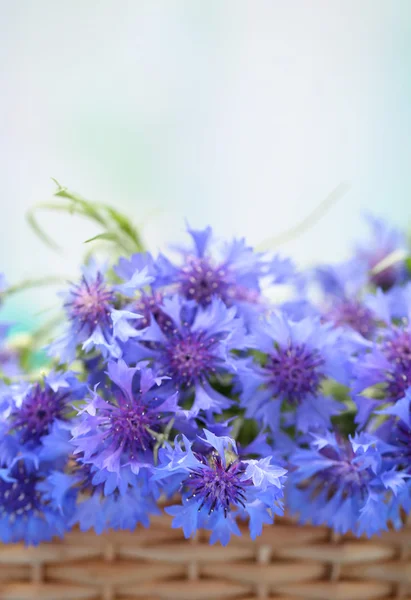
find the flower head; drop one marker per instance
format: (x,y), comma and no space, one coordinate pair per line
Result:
(298,358)
(94,319)
(90,303)
(232,272)
(342,289)
(36,407)
(388,366)
(40,408)
(344,484)
(119,435)
(217,487)
(195,349)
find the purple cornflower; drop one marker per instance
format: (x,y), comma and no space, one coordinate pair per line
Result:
(298,357)
(217,487)
(94,320)
(345,484)
(233,273)
(90,304)
(36,407)
(39,409)
(120,434)
(342,287)
(195,349)
(387,366)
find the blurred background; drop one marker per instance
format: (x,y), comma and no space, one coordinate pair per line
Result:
(236,113)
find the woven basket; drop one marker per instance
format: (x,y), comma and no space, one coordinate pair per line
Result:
(288,562)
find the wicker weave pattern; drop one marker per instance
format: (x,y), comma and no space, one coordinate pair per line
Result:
(287,562)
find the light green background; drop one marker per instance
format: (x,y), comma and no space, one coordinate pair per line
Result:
(241,114)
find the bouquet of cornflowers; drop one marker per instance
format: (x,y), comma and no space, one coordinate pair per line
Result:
(181,385)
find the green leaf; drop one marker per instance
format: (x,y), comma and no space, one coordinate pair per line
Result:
(117,228)
(89,209)
(108,236)
(126,227)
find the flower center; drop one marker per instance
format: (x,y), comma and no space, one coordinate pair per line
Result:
(342,476)
(20,496)
(130,425)
(355,315)
(217,486)
(201,281)
(38,411)
(398,351)
(295,372)
(189,358)
(90,303)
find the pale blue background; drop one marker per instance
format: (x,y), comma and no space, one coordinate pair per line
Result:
(240,113)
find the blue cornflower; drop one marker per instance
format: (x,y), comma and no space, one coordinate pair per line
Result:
(232,272)
(298,358)
(35,407)
(195,349)
(119,435)
(344,484)
(217,487)
(388,366)
(93,316)
(384,241)
(342,297)
(27,510)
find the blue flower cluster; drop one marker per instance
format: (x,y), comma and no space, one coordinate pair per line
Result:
(183,385)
